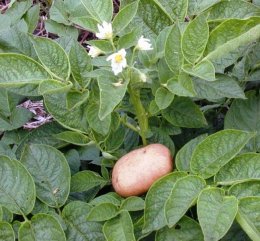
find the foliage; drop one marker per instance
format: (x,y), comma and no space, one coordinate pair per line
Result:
(192,86)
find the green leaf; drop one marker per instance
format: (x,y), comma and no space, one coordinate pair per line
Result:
(204,70)
(115,138)
(110,197)
(151,17)
(78,228)
(248,216)
(104,45)
(186,229)
(17,70)
(163,98)
(124,17)
(17,190)
(81,64)
(99,126)
(233,9)
(183,194)
(235,233)
(41,207)
(5,150)
(76,98)
(41,135)
(15,41)
(53,57)
(14,13)
(175,8)
(85,180)
(195,38)
(241,168)
(198,6)
(6,108)
(183,157)
(87,23)
(153,108)
(19,116)
(6,232)
(216,213)
(16,10)
(16,225)
(73,159)
(132,204)
(7,215)
(138,224)
(217,150)
(160,42)
(220,36)
(60,29)
(256,2)
(52,86)
(59,13)
(73,137)
(103,212)
(42,227)
(65,43)
(119,228)
(223,87)
(56,104)
(130,39)
(183,112)
(229,48)
(181,85)
(173,53)
(90,152)
(236,27)
(154,217)
(50,172)
(159,135)
(245,189)
(99,10)
(110,95)
(244,115)
(32,17)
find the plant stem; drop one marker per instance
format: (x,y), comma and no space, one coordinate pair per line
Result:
(112,43)
(25,218)
(59,211)
(140,112)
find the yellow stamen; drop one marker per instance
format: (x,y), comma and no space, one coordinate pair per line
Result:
(108,35)
(118,58)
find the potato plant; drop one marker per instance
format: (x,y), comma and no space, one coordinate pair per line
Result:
(101,79)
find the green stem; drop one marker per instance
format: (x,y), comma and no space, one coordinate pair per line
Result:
(59,211)
(133,57)
(140,112)
(25,218)
(112,43)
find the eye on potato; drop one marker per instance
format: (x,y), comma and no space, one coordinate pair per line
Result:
(135,172)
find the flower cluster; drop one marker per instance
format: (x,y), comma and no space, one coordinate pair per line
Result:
(118,59)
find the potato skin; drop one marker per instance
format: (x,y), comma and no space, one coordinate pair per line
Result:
(135,172)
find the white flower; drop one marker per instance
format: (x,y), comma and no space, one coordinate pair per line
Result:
(105,31)
(94,51)
(144,44)
(118,61)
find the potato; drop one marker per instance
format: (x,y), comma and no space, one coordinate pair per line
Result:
(135,172)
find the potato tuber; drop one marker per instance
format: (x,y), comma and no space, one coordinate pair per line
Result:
(135,172)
